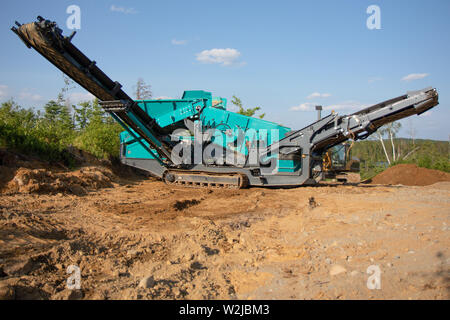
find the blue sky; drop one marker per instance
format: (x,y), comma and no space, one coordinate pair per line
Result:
(283,56)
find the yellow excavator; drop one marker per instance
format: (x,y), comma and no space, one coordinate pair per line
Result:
(339,165)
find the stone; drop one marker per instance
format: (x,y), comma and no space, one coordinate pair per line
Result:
(147,282)
(133,252)
(77,190)
(337,269)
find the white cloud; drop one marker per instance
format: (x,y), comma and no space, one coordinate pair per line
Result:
(318,95)
(78,97)
(123,10)
(176,42)
(27,95)
(307,106)
(225,57)
(415,76)
(4,91)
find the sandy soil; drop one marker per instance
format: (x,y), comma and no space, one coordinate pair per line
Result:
(145,240)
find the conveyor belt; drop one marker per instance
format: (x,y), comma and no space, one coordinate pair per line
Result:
(361,124)
(47,39)
(334,129)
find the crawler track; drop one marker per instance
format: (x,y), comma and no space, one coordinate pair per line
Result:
(206,180)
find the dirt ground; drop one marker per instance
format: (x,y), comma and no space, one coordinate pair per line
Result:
(141,239)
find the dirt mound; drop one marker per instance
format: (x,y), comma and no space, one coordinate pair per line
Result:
(45,181)
(21,173)
(410,175)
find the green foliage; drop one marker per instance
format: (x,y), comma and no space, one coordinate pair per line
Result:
(442,164)
(56,126)
(99,134)
(82,114)
(48,134)
(24,130)
(425,162)
(246,112)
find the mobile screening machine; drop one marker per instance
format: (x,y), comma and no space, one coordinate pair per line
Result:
(196,141)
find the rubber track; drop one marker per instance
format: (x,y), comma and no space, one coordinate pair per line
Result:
(215,185)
